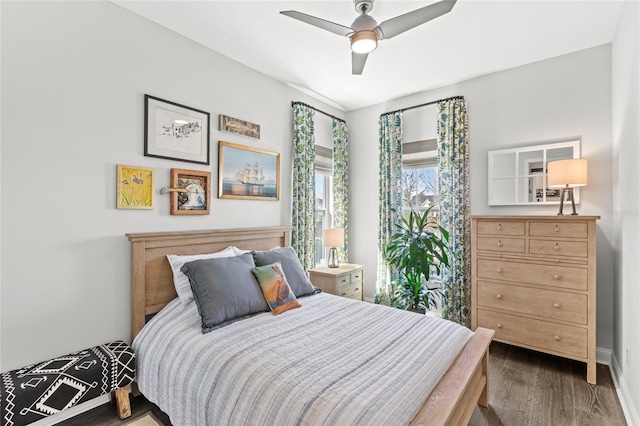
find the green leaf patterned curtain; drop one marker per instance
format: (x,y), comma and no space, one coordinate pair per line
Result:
(390,187)
(453,175)
(341,183)
(303,197)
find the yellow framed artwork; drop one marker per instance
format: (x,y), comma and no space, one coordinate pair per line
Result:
(135,187)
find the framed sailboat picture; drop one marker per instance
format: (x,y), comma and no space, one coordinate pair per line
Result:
(248,173)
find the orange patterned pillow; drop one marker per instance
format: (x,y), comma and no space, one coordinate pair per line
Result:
(275,288)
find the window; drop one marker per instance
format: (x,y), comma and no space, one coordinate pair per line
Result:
(420,176)
(323,182)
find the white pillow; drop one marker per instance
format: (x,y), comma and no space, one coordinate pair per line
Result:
(181,281)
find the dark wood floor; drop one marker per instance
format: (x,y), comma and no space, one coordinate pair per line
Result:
(526,388)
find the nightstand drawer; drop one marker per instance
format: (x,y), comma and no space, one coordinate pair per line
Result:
(490,227)
(558,229)
(559,248)
(550,275)
(343,280)
(356,276)
(535,333)
(506,245)
(549,304)
(352,290)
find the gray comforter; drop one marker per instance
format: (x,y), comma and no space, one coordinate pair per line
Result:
(334,361)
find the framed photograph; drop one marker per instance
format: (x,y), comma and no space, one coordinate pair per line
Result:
(175,132)
(247,173)
(239,127)
(190,192)
(134,189)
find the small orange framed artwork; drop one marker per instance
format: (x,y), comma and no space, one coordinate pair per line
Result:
(135,187)
(190,192)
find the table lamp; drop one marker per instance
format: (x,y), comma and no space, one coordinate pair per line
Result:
(567,174)
(333,238)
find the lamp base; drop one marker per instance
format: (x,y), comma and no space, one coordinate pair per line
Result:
(569,192)
(332,262)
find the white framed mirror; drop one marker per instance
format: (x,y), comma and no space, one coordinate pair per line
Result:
(518,176)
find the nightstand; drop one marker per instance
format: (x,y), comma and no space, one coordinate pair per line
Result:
(347,280)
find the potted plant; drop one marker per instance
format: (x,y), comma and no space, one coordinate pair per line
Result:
(416,252)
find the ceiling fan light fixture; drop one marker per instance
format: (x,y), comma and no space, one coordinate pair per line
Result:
(364,41)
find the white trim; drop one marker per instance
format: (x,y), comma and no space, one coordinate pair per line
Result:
(74,411)
(603,356)
(626,401)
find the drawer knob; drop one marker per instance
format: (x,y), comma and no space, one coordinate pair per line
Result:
(499,243)
(556,305)
(499,227)
(343,294)
(556,247)
(499,270)
(498,296)
(499,325)
(556,338)
(556,277)
(357,289)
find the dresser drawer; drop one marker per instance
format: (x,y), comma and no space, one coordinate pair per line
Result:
(551,304)
(503,245)
(544,335)
(494,227)
(559,248)
(558,229)
(356,276)
(550,275)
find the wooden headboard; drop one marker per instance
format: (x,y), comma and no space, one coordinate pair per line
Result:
(151,277)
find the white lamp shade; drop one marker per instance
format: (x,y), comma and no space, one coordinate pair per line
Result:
(333,237)
(567,173)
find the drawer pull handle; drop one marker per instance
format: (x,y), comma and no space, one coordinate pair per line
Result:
(499,227)
(556,247)
(556,229)
(498,296)
(556,338)
(556,305)
(499,243)
(499,325)
(357,276)
(556,277)
(344,294)
(499,270)
(357,289)
(344,281)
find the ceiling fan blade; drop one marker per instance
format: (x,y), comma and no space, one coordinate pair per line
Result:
(357,62)
(394,26)
(319,22)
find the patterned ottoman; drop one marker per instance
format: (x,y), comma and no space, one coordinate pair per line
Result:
(40,390)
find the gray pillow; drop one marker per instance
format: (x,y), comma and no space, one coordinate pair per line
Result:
(300,284)
(224,289)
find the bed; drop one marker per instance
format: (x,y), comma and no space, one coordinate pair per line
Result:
(449,401)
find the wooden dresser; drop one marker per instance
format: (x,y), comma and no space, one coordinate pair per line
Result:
(534,283)
(347,280)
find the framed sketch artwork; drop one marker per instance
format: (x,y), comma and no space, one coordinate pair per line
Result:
(175,132)
(190,192)
(248,173)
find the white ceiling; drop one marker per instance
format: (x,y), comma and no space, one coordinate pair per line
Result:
(477,37)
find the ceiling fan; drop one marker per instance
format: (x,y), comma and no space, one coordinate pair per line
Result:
(365,32)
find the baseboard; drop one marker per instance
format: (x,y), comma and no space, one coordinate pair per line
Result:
(74,411)
(603,356)
(628,408)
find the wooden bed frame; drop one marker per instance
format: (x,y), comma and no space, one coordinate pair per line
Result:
(452,401)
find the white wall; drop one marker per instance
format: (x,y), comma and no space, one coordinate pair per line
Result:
(74,75)
(626,204)
(563,98)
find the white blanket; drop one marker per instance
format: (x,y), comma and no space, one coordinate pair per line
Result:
(334,361)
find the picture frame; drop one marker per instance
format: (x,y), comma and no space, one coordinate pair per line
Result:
(247,173)
(175,132)
(238,127)
(135,187)
(190,192)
